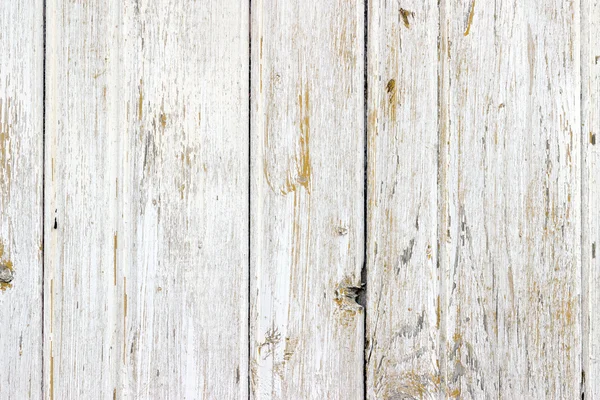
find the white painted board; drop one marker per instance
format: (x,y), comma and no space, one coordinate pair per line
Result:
(307,199)
(21,183)
(403,318)
(147,199)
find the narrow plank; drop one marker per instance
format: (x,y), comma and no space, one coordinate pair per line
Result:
(147,155)
(512,249)
(82,301)
(590,103)
(21,177)
(402,280)
(307,218)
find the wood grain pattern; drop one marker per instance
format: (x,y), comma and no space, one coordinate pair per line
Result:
(307,229)
(511,252)
(147,199)
(402,280)
(590,136)
(216,197)
(21,177)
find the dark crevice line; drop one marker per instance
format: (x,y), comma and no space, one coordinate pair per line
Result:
(43,272)
(249,326)
(584,189)
(364,271)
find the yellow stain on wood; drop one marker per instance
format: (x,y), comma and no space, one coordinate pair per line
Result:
(267,175)
(404,14)
(141,101)
(290,348)
(304,172)
(531,57)
(266,149)
(163,120)
(345,295)
(470,19)
(568,311)
(186,163)
(6,263)
(302,159)
(413,384)
(373,133)
(393,98)
(5,165)
(372,122)
(185,158)
(345,42)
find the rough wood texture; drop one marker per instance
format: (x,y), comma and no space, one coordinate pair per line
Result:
(21,124)
(510,222)
(147,199)
(307,199)
(402,285)
(590,136)
(161,209)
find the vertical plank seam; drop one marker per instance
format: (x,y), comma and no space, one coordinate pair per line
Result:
(585,263)
(441,182)
(43,217)
(249,326)
(363,300)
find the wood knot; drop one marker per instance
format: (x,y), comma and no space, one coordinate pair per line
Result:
(341,231)
(6,274)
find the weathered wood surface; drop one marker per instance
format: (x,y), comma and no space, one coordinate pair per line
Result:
(147,199)
(21,158)
(307,206)
(590,136)
(510,217)
(402,284)
(216,197)
(509,202)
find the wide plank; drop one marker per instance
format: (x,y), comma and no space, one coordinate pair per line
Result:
(511,196)
(307,199)
(147,199)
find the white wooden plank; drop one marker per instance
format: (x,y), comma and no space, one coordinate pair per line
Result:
(403,323)
(511,161)
(307,229)
(147,165)
(21,177)
(82,301)
(590,102)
